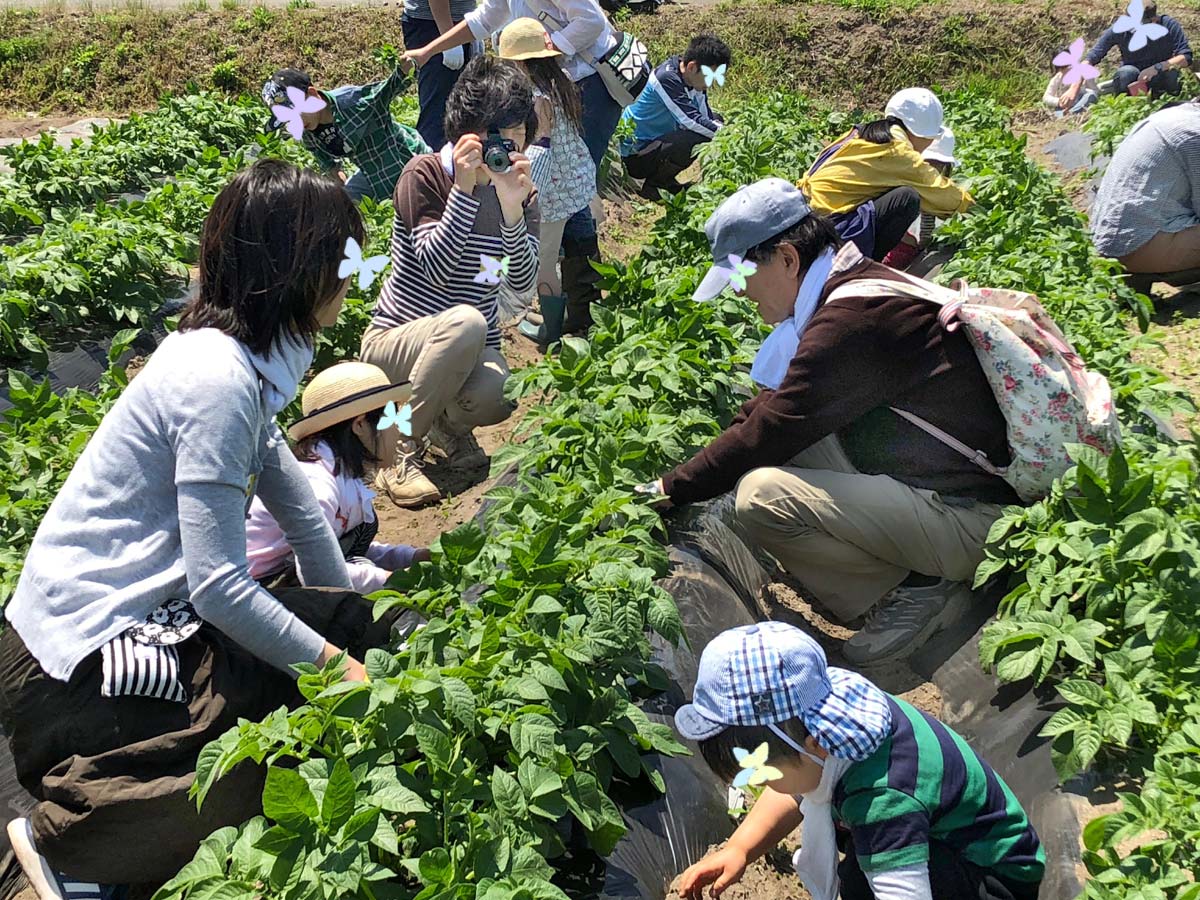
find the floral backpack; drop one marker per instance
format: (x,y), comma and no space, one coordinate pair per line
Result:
(1047,396)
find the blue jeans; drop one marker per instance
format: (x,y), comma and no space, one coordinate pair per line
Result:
(600,116)
(1162,83)
(434,81)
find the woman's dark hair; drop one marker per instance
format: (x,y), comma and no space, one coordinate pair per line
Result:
(810,236)
(270,248)
(880,131)
(349,454)
(707,50)
(718,751)
(549,78)
(492,93)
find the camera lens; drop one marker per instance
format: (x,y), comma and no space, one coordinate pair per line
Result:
(496,158)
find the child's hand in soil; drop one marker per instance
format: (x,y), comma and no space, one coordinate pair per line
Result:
(720,869)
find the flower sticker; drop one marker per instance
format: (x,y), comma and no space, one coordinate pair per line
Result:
(290,115)
(491,270)
(401,418)
(740,270)
(1143,32)
(1078,69)
(755,770)
(353,262)
(714,75)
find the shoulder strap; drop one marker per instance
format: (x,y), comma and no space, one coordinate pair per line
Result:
(545,17)
(976,456)
(828,152)
(916,288)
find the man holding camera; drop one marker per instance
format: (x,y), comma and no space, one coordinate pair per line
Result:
(466,220)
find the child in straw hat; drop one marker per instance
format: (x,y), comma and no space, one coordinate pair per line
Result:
(562,167)
(335,440)
(918,814)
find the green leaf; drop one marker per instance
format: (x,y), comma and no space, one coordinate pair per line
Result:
(506,793)
(544,604)
(461,546)
(337,806)
(663,616)
(288,800)
(460,701)
(435,867)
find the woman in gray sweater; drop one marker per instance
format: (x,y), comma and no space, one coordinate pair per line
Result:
(137,634)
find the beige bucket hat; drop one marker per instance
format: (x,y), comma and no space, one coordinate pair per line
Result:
(525,38)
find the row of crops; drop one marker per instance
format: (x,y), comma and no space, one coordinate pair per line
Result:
(490,745)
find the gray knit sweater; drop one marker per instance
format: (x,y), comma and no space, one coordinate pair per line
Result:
(155,508)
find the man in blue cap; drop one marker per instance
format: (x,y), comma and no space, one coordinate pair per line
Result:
(833,478)
(922,816)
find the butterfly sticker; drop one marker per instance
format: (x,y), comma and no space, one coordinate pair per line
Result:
(755,770)
(711,75)
(290,115)
(491,270)
(742,269)
(1143,32)
(353,262)
(1078,69)
(401,418)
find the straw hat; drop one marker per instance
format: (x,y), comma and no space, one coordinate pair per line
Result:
(525,38)
(341,393)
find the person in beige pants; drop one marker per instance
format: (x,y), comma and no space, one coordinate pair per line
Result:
(868,511)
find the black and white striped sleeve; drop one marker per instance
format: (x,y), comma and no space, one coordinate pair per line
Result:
(521,248)
(440,227)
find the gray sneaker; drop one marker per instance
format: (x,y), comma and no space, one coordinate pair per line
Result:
(461,449)
(905,619)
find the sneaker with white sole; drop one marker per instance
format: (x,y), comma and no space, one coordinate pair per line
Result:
(406,482)
(46,883)
(905,619)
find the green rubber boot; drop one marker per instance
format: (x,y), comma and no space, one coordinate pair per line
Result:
(554,307)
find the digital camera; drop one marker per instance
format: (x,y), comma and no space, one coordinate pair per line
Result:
(496,152)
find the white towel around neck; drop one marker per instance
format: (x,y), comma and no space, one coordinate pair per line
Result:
(777,351)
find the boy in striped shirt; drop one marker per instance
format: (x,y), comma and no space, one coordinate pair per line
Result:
(461,228)
(921,816)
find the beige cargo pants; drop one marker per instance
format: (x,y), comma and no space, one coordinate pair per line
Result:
(452,370)
(849,538)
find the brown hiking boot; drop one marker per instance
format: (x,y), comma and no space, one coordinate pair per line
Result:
(406,482)
(461,449)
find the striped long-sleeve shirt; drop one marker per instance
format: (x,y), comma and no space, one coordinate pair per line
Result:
(439,236)
(926,785)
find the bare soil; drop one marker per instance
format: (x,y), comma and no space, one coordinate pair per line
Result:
(30,126)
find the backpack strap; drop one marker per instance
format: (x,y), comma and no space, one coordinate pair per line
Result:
(950,301)
(976,456)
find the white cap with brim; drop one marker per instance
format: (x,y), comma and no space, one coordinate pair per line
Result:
(744,220)
(919,109)
(942,150)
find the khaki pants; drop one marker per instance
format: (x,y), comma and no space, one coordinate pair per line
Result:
(451,369)
(1166,253)
(849,538)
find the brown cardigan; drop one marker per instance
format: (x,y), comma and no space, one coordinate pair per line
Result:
(857,357)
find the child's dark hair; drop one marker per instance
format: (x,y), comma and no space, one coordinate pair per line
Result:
(549,78)
(880,131)
(707,50)
(349,454)
(810,236)
(1149,11)
(492,93)
(270,248)
(1053,68)
(718,751)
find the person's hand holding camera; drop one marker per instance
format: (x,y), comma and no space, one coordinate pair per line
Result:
(513,187)
(468,158)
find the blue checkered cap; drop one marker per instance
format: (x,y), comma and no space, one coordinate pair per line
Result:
(768,673)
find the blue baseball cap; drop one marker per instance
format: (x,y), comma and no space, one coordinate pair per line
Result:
(771,672)
(752,215)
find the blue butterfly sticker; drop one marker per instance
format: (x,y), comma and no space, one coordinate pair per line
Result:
(713,75)
(401,418)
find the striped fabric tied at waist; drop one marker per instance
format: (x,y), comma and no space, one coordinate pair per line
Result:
(143,661)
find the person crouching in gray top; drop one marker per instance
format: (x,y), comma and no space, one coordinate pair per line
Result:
(1147,211)
(137,634)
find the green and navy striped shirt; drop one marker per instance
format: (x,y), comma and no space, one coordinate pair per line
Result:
(925,784)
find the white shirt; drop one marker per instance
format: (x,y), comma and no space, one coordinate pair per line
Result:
(346,503)
(586,27)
